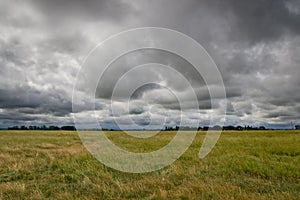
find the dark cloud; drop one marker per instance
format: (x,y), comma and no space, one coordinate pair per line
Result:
(248,22)
(138,93)
(255,45)
(20,97)
(261,21)
(88,11)
(26,100)
(133,59)
(136,111)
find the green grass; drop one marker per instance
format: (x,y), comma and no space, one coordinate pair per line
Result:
(243,165)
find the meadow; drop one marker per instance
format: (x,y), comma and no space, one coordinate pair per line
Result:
(243,165)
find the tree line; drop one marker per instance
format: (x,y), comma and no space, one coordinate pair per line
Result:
(43,127)
(167,128)
(205,128)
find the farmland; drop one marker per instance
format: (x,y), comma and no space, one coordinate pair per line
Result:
(243,165)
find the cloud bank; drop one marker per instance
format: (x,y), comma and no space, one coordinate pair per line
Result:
(255,44)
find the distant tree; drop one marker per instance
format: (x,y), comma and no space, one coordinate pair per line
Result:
(68,128)
(44,127)
(205,128)
(297,127)
(228,128)
(248,127)
(169,128)
(262,128)
(13,128)
(24,128)
(53,128)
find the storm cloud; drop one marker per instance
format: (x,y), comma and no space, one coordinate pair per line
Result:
(255,45)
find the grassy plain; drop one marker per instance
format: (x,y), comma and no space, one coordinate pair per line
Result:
(243,165)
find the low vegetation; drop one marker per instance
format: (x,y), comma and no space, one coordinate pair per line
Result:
(243,165)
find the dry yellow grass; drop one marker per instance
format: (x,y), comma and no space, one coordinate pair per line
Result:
(243,165)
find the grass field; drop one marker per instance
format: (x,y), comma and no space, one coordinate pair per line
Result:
(243,165)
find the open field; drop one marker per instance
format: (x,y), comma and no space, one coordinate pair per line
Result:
(243,165)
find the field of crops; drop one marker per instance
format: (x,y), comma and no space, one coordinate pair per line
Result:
(243,165)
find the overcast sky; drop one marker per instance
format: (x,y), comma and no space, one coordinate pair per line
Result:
(255,45)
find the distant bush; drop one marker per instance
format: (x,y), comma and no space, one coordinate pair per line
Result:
(68,128)
(216,127)
(43,127)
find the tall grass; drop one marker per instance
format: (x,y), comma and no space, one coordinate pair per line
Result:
(243,165)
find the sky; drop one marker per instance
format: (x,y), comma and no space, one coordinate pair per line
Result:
(254,44)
